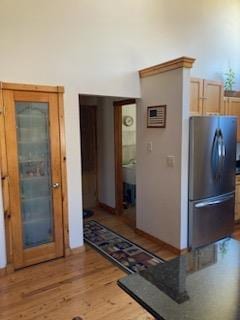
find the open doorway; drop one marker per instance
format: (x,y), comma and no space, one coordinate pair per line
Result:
(125,158)
(101,145)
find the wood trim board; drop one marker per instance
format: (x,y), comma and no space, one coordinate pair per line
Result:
(160,242)
(76,251)
(7,270)
(107,208)
(5,180)
(31,87)
(182,62)
(63,172)
(124,102)
(118,158)
(117,105)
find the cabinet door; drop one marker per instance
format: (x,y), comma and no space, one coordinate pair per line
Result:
(196,93)
(233,109)
(33,153)
(213,98)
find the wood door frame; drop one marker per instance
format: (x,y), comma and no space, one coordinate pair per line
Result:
(59,90)
(117,105)
(95,108)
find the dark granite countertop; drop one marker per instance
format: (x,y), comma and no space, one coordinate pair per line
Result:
(201,285)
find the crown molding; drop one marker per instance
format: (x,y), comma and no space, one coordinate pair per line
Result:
(182,62)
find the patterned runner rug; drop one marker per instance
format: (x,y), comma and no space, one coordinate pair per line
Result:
(126,254)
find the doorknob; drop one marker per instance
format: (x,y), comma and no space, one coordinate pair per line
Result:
(55,185)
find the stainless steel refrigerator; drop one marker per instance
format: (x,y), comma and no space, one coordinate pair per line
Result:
(212,161)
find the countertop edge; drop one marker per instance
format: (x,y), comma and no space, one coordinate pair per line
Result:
(139,301)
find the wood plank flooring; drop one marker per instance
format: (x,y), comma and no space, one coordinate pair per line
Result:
(83,285)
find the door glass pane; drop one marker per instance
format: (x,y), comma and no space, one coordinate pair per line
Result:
(34,172)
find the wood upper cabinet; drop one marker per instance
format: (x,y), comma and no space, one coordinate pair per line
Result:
(206,97)
(232,107)
(196,92)
(34,171)
(213,97)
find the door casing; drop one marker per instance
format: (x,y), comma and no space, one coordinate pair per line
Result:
(57,93)
(118,152)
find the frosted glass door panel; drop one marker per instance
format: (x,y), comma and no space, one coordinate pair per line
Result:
(35,172)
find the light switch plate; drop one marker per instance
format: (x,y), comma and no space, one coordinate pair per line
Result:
(149,146)
(170,161)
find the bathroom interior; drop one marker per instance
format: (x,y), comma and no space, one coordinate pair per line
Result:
(129,161)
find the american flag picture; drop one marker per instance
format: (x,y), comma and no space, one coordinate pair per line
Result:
(156,116)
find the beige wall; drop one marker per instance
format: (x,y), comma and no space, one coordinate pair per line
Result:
(85,46)
(161,189)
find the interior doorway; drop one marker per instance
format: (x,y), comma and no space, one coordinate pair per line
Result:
(125,158)
(106,157)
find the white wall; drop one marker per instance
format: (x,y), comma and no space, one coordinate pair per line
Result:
(85,46)
(71,109)
(161,189)
(184,158)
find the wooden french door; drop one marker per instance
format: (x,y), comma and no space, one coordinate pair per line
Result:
(34,173)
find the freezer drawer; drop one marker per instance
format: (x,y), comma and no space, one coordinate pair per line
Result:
(210,220)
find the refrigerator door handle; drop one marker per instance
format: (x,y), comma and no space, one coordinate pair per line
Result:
(223,149)
(216,154)
(213,202)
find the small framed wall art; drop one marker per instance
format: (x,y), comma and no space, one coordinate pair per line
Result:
(157,116)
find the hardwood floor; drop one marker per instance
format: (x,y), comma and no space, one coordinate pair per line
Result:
(83,285)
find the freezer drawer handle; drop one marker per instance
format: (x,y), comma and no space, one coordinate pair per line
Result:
(210,203)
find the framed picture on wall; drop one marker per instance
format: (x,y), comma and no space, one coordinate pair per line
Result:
(156,116)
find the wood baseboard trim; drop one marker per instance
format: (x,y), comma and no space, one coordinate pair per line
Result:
(3,272)
(182,62)
(7,270)
(128,221)
(107,208)
(160,242)
(75,251)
